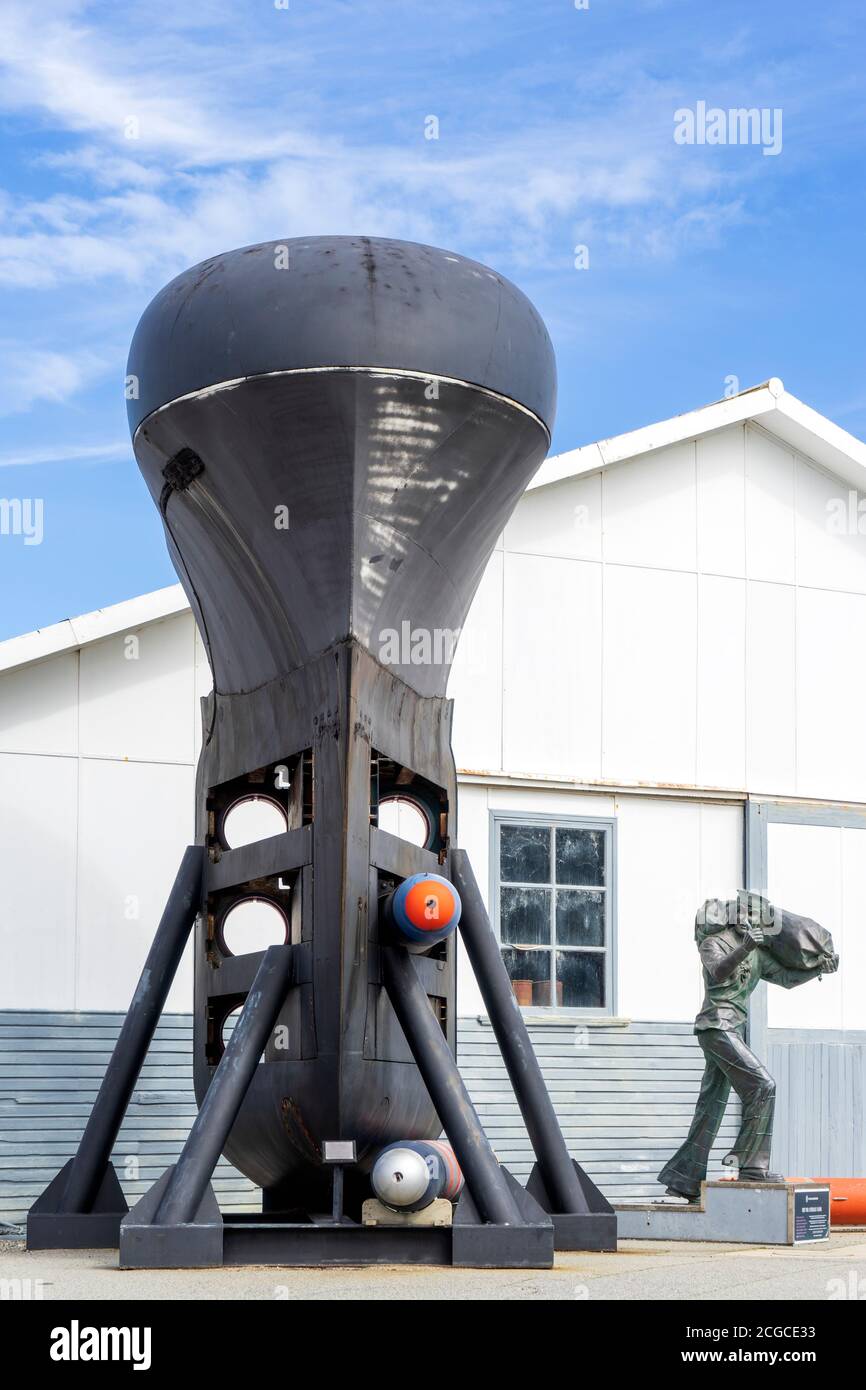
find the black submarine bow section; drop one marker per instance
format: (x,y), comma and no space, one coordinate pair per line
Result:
(341,301)
(336,430)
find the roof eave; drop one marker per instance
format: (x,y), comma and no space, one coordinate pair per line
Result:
(73,633)
(769,404)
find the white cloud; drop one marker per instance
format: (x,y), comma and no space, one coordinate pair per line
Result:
(144,99)
(225,155)
(30,375)
(69,453)
(237,142)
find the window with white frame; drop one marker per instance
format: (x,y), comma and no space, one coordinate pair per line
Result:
(553,910)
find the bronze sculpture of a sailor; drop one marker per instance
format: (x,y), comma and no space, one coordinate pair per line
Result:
(741,942)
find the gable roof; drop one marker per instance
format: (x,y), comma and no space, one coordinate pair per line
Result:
(73,633)
(770,405)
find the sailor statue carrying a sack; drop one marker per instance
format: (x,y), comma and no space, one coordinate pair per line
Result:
(741,942)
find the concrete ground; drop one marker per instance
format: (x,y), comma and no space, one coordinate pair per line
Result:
(641,1269)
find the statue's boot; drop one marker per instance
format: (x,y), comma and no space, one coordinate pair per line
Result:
(748,1174)
(759,1175)
(683,1196)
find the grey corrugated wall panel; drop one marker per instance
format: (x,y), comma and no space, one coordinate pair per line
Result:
(50,1068)
(624,1096)
(820,1089)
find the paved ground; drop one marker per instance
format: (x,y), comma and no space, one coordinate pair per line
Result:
(639,1270)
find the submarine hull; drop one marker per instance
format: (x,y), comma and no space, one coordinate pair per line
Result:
(334,450)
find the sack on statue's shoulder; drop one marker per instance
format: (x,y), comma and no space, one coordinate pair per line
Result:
(797,942)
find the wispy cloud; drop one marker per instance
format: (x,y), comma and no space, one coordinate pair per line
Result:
(187,148)
(29,375)
(145,148)
(70,453)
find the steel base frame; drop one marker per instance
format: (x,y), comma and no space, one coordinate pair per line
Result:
(213,1240)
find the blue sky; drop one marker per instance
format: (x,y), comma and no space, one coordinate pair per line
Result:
(138,139)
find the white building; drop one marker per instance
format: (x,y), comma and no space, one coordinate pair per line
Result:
(667,650)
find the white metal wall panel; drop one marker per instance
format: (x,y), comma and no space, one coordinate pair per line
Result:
(551,685)
(853,966)
(670,857)
(563,521)
(38,707)
(770,688)
(129,683)
(770,549)
(831,549)
(831,694)
(721,502)
(688,696)
(476,677)
(721,712)
(820,871)
(38,818)
(650,510)
(650,663)
(136,819)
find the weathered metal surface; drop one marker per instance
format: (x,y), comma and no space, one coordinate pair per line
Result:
(332,301)
(391,504)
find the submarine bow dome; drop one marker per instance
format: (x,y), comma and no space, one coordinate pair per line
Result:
(335,430)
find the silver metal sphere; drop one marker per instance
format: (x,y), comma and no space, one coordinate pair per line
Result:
(400,1177)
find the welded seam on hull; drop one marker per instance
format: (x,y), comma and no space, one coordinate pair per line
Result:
(204,391)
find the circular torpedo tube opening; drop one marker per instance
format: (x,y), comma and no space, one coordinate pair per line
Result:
(252,818)
(405,818)
(253,924)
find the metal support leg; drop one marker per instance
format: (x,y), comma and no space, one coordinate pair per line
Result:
(337,1195)
(539,1116)
(88,1183)
(485,1179)
(192,1172)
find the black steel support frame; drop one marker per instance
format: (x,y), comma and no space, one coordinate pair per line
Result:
(83,1205)
(178,1222)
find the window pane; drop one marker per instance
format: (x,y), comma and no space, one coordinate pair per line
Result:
(580,856)
(580,979)
(529,973)
(524,853)
(524,915)
(579,918)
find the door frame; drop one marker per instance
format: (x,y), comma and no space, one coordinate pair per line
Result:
(761,812)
